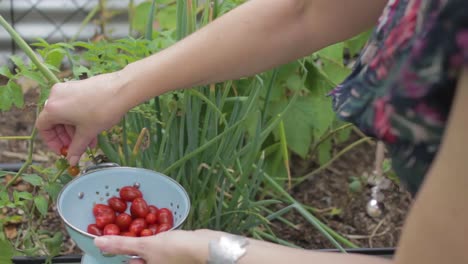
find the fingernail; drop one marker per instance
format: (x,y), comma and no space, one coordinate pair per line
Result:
(73,160)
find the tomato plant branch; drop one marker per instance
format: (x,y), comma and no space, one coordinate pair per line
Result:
(29,52)
(45,71)
(58,174)
(28,160)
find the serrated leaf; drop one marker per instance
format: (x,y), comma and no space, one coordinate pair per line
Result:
(5,100)
(17,61)
(55,57)
(22,195)
(42,204)
(33,179)
(16,94)
(53,189)
(5,71)
(7,251)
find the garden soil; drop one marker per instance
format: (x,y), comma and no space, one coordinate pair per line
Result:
(328,192)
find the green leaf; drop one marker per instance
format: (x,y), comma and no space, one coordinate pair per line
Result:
(17,61)
(295,82)
(5,99)
(7,252)
(22,195)
(54,243)
(16,94)
(333,52)
(55,57)
(335,72)
(5,71)
(324,151)
(53,189)
(42,204)
(356,43)
(33,179)
(298,124)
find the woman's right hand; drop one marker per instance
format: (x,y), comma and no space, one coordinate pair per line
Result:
(76,111)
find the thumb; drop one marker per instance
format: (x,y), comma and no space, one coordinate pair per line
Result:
(122,245)
(78,145)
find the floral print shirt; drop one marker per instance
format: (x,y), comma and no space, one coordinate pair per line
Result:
(402,86)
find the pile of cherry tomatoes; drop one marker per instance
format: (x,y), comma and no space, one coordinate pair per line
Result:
(143,220)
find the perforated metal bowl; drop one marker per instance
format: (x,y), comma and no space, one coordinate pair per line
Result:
(76,200)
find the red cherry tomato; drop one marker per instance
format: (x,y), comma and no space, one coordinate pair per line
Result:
(64,151)
(117,204)
(94,230)
(104,219)
(151,218)
(123,221)
(165,216)
(164,228)
(146,232)
(153,228)
(111,229)
(137,226)
(128,234)
(153,209)
(129,193)
(73,170)
(139,208)
(99,209)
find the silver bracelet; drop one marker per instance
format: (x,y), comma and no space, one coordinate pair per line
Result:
(227,250)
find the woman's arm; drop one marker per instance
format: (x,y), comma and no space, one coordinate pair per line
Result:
(256,36)
(437,226)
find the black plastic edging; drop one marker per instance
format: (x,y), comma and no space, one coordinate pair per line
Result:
(378,252)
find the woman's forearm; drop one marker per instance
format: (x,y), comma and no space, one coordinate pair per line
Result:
(254,37)
(266,252)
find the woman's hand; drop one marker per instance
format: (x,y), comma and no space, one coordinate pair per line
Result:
(168,247)
(77,111)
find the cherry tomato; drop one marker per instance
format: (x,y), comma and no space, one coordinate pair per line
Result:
(129,193)
(104,219)
(164,228)
(102,209)
(128,234)
(73,170)
(123,221)
(151,218)
(153,228)
(137,226)
(93,229)
(111,229)
(146,232)
(153,209)
(165,216)
(117,204)
(139,208)
(64,151)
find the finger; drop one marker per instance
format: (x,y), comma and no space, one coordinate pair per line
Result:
(51,139)
(93,143)
(137,261)
(122,245)
(80,141)
(63,134)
